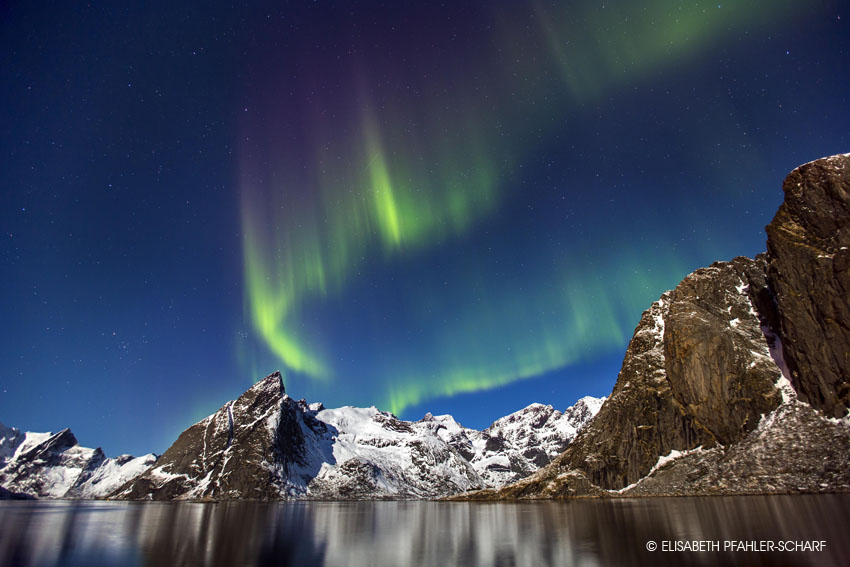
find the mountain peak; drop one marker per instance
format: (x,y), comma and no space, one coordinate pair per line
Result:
(271,385)
(277,377)
(60,441)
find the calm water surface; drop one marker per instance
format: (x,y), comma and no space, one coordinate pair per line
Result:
(593,532)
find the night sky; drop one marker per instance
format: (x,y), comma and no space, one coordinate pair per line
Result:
(457,209)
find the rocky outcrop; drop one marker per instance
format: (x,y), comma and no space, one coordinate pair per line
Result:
(794,449)
(697,373)
(9,495)
(702,403)
(239,451)
(808,245)
(47,465)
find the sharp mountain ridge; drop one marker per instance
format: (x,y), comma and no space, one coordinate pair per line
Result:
(267,445)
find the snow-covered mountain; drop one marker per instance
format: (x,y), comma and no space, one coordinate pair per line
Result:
(54,465)
(266,445)
(433,456)
(518,444)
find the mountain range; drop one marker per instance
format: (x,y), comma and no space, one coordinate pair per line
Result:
(737,381)
(266,445)
(54,465)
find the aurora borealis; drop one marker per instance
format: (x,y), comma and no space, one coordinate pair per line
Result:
(405,174)
(455,209)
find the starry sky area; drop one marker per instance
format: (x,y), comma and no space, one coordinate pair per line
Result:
(457,208)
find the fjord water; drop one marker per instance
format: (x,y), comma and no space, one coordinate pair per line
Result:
(579,532)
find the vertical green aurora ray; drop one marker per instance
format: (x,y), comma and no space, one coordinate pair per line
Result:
(412,175)
(297,251)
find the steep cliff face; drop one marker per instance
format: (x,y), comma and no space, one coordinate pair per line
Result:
(702,403)
(697,373)
(808,245)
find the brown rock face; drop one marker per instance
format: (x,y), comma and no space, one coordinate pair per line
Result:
(697,373)
(808,244)
(715,352)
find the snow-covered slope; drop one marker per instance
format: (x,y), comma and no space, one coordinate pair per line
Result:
(436,455)
(518,444)
(375,454)
(54,465)
(266,445)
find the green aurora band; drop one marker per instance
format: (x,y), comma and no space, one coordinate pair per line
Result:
(393,207)
(410,177)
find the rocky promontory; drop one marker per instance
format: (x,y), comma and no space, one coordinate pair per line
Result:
(736,381)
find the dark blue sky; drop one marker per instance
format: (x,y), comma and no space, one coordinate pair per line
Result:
(446,209)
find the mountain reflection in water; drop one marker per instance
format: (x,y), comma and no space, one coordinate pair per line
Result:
(581,532)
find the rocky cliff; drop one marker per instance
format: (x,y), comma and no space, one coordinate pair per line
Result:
(808,244)
(703,402)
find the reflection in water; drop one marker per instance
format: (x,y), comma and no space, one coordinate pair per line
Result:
(582,532)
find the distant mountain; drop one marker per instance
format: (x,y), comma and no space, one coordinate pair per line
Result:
(516,445)
(738,380)
(266,445)
(48,465)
